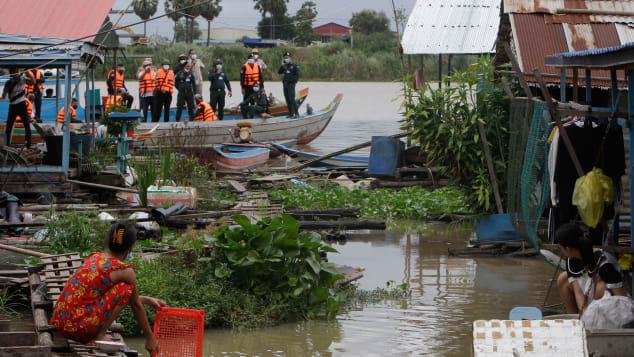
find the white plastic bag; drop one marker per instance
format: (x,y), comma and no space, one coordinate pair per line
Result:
(609,312)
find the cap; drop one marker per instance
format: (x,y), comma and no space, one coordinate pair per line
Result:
(198,97)
(217,62)
(165,61)
(255,51)
(149,59)
(146,62)
(287,54)
(182,56)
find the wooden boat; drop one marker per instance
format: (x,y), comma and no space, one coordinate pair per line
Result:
(187,134)
(278,109)
(238,157)
(336,161)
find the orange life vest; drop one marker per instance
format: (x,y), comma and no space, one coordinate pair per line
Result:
(60,115)
(30,88)
(113,101)
(208,113)
(251,74)
(119,79)
(29,109)
(165,80)
(147,83)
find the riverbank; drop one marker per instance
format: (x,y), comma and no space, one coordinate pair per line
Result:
(371,58)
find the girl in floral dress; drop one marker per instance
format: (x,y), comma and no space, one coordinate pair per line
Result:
(95,295)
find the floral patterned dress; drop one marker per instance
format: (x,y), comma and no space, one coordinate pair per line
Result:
(89,298)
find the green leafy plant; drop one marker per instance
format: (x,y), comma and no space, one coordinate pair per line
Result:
(147,172)
(9,305)
(411,202)
(273,258)
(444,122)
(76,232)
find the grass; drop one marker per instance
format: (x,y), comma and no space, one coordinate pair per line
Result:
(408,203)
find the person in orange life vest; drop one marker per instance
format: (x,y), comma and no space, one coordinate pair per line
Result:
(30,98)
(204,111)
(37,90)
(250,74)
(114,100)
(116,79)
(14,90)
(72,111)
(94,296)
(163,92)
(147,86)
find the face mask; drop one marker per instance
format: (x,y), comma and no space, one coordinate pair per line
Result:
(250,61)
(121,70)
(219,67)
(256,89)
(287,60)
(146,67)
(194,57)
(256,56)
(183,61)
(186,69)
(166,67)
(129,256)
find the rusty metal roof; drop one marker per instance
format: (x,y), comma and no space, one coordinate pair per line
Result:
(64,19)
(452,27)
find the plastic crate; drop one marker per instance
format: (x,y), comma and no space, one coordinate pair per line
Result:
(179,332)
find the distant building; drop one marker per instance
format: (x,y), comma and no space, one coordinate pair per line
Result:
(232,34)
(327,31)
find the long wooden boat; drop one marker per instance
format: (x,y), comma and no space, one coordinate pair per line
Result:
(335,161)
(300,130)
(238,157)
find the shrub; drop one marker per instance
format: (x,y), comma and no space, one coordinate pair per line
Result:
(76,232)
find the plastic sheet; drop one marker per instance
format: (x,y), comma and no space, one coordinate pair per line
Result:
(592,192)
(609,312)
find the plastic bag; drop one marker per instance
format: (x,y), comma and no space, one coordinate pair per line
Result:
(592,192)
(609,312)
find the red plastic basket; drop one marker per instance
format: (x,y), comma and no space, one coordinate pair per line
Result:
(179,332)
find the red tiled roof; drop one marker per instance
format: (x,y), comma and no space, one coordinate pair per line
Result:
(64,19)
(332,29)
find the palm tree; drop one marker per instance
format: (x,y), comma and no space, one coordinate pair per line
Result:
(274,8)
(210,11)
(145,9)
(191,11)
(170,7)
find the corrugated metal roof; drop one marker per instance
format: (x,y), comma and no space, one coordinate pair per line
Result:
(535,338)
(596,51)
(551,7)
(67,19)
(452,27)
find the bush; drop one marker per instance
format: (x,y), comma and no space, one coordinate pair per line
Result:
(76,232)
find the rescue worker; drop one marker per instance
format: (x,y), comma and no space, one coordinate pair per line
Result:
(204,111)
(37,89)
(29,109)
(256,56)
(180,65)
(164,92)
(14,89)
(147,84)
(250,74)
(114,100)
(290,76)
(256,104)
(116,79)
(197,70)
(218,81)
(186,85)
(72,111)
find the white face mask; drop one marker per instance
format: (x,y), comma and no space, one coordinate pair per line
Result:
(250,61)
(256,89)
(219,67)
(256,56)
(194,56)
(166,67)
(287,60)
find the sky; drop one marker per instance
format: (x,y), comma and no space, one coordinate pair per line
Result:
(240,13)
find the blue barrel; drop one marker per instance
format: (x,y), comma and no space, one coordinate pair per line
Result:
(385,156)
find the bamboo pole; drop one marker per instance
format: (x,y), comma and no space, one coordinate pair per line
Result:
(340,152)
(105,187)
(23,251)
(491,168)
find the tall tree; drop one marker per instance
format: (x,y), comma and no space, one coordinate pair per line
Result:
(183,32)
(369,21)
(145,9)
(304,20)
(284,27)
(170,8)
(276,10)
(210,11)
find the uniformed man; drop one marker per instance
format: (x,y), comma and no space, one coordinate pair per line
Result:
(186,85)
(218,81)
(180,65)
(290,76)
(250,74)
(256,104)
(204,111)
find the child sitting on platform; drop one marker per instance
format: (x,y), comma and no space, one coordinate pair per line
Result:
(95,295)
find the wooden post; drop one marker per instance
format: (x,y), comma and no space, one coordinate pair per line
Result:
(630,82)
(614,90)
(518,71)
(562,85)
(562,130)
(449,71)
(588,86)
(439,71)
(575,85)
(66,126)
(491,168)
(40,320)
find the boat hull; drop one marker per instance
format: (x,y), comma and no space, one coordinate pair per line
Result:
(196,134)
(247,158)
(347,161)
